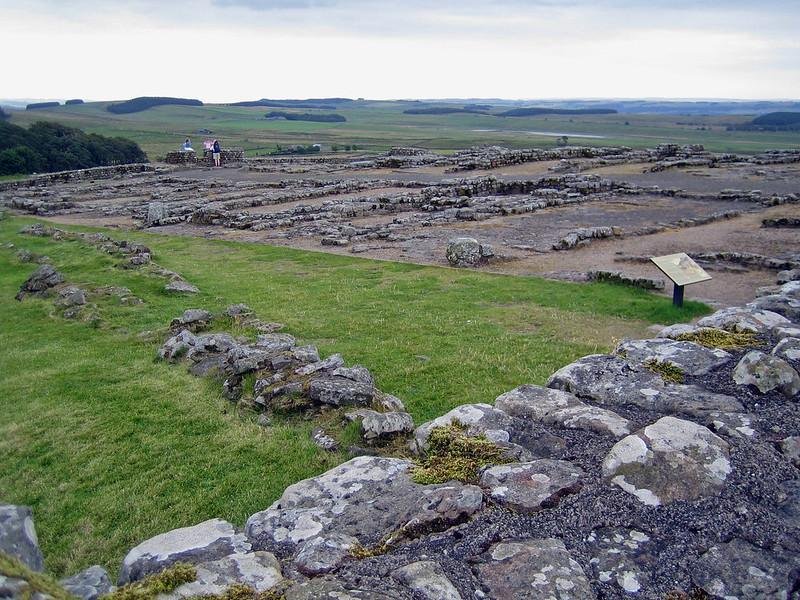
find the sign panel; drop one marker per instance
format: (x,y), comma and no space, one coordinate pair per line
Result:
(681,269)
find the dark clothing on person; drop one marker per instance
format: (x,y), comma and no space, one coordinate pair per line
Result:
(216,148)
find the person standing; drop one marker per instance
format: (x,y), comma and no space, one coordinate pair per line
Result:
(216,152)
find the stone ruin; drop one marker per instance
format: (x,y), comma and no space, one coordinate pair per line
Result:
(669,468)
(190,158)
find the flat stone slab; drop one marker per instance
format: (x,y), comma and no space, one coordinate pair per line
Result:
(612,381)
(536,569)
(669,460)
(784,305)
(622,557)
(743,319)
(738,569)
(89,584)
(532,486)
(367,498)
(788,349)
(557,407)
(204,542)
(690,358)
(767,373)
(257,570)
(427,580)
(181,287)
(18,536)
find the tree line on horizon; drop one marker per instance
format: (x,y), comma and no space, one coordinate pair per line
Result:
(47,147)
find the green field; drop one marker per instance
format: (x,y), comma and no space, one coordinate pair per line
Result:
(379,125)
(110,446)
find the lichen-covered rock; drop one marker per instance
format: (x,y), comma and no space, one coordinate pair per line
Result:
(329,588)
(623,557)
(275,342)
(611,381)
(89,584)
(355,373)
(324,554)
(193,319)
(477,418)
(366,498)
(560,408)
(467,252)
(737,569)
(427,580)
(669,460)
(259,571)
(204,542)
(767,373)
(690,358)
(788,349)
(177,346)
(71,296)
(237,311)
(41,280)
(781,304)
(323,440)
(743,319)
(181,287)
(790,447)
(156,212)
(788,275)
(376,425)
(339,391)
(531,486)
(18,536)
(333,362)
(535,569)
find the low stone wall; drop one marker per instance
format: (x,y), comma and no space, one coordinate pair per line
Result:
(78,175)
(227,155)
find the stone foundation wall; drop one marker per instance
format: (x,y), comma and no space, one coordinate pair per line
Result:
(78,175)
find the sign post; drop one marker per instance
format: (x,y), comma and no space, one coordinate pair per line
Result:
(682,271)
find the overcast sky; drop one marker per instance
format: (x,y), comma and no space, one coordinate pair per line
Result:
(228,50)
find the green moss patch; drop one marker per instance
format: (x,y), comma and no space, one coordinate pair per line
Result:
(454,455)
(668,372)
(159,583)
(37,582)
(719,338)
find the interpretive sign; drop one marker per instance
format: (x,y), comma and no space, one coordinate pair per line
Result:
(682,270)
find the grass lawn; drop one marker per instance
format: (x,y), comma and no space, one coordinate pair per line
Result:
(110,446)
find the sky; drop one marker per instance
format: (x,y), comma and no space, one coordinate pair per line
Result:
(230,50)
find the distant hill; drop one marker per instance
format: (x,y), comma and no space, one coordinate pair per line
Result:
(3,114)
(533,111)
(38,105)
(46,147)
(775,121)
(443,110)
(317,117)
(314,103)
(144,102)
(73,102)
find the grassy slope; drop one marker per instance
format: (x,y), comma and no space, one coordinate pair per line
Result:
(378,125)
(110,446)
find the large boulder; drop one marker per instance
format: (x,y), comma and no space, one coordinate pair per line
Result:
(669,460)
(690,358)
(767,373)
(737,569)
(89,584)
(535,569)
(612,381)
(557,407)
(467,252)
(260,571)
(204,542)
(42,279)
(531,486)
(367,498)
(427,580)
(18,536)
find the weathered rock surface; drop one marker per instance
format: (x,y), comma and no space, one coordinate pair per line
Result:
(467,252)
(790,447)
(743,319)
(41,280)
(623,557)
(193,319)
(781,304)
(767,373)
(328,588)
(366,498)
(537,569)
(259,571)
(427,580)
(156,212)
(670,460)
(788,349)
(324,554)
(788,275)
(376,425)
(738,569)
(207,541)
(71,296)
(531,486)
(18,536)
(612,381)
(89,584)
(181,287)
(340,391)
(560,408)
(690,358)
